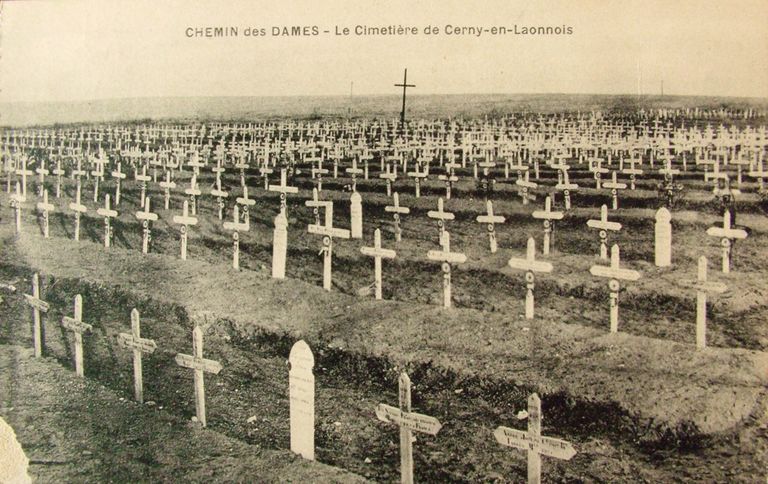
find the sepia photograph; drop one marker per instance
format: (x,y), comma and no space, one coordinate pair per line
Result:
(479,241)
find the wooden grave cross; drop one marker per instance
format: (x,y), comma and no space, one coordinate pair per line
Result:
(316,204)
(397,210)
(24,171)
(38,306)
(525,187)
(193,191)
(377,252)
(703,286)
(533,442)
(566,186)
(59,172)
(418,174)
(42,172)
(247,203)
(264,172)
(549,218)
(729,236)
(119,176)
(143,178)
(632,172)
(486,182)
(200,365)
(220,196)
(45,208)
(447,258)
(15,201)
(354,171)
(615,273)
(242,165)
(98,176)
(146,216)
(283,189)
(389,176)
(167,185)
(317,174)
(441,216)
(79,209)
(107,212)
(615,186)
(449,178)
(491,220)
(759,173)
(185,220)
(328,232)
(134,341)
(604,225)
(531,265)
(236,226)
(77,326)
(409,422)
(596,167)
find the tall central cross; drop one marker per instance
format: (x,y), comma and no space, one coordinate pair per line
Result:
(405,86)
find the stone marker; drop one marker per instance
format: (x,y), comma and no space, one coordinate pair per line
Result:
(441,216)
(447,258)
(663,238)
(397,210)
(549,218)
(408,422)
(185,220)
(301,388)
(236,227)
(491,220)
(279,246)
(604,225)
(533,442)
(729,235)
(531,265)
(79,209)
(15,201)
(146,216)
(15,463)
(77,326)
(196,362)
(166,185)
(702,286)
(615,273)
(377,252)
(328,232)
(38,306)
(134,341)
(356,215)
(44,207)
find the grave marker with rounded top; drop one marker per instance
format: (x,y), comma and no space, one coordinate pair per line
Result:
(663,238)
(409,422)
(134,341)
(301,389)
(236,227)
(377,252)
(531,265)
(279,246)
(615,273)
(38,306)
(356,215)
(79,209)
(185,220)
(146,216)
(396,209)
(533,442)
(200,365)
(549,218)
(45,208)
(491,220)
(78,327)
(728,236)
(604,225)
(447,258)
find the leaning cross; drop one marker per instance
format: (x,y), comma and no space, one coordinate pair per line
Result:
(196,362)
(377,252)
(236,226)
(45,208)
(134,341)
(491,220)
(328,232)
(531,265)
(107,213)
(616,274)
(441,216)
(532,441)
(185,220)
(38,306)
(729,235)
(408,422)
(549,218)
(447,258)
(77,326)
(397,210)
(146,216)
(604,225)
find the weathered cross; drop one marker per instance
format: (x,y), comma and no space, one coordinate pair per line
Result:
(441,216)
(596,167)
(24,172)
(549,218)
(491,220)
(185,220)
(77,326)
(729,235)
(283,188)
(447,258)
(632,172)
(265,171)
(15,201)
(318,172)
(566,186)
(615,186)
(354,171)
(167,185)
(397,210)
(79,209)
(316,204)
(404,85)
(604,225)
(525,186)
(531,265)
(196,362)
(193,191)
(377,252)
(119,176)
(42,171)
(220,196)
(449,178)
(615,273)
(59,172)
(107,213)
(38,306)
(98,176)
(143,178)
(236,226)
(390,177)
(328,232)
(702,286)
(409,422)
(418,174)
(45,208)
(134,341)
(533,442)
(146,216)
(246,203)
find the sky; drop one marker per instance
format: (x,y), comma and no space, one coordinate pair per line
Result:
(79,50)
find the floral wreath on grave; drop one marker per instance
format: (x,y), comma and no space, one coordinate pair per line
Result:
(669,193)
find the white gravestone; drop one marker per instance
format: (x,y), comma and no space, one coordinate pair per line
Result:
(279,246)
(663,238)
(302,397)
(356,213)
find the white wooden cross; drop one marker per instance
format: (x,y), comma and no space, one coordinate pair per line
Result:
(24,172)
(449,178)
(604,225)
(702,286)
(531,265)
(107,213)
(417,174)
(491,220)
(632,172)
(318,172)
(143,178)
(220,196)
(134,341)
(377,252)
(328,232)
(729,235)
(45,208)
(354,171)
(533,442)
(193,191)
(59,172)
(596,167)
(316,204)
(486,182)
(196,362)
(390,177)
(185,220)
(441,216)
(77,326)
(119,176)
(447,258)
(759,173)
(38,306)
(79,209)
(98,176)
(146,216)
(247,203)
(549,218)
(264,172)
(242,165)
(409,422)
(167,185)
(615,186)
(15,201)
(525,186)
(236,226)
(397,210)
(615,273)
(42,171)
(283,189)
(566,186)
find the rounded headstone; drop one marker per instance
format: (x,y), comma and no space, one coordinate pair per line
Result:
(663,238)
